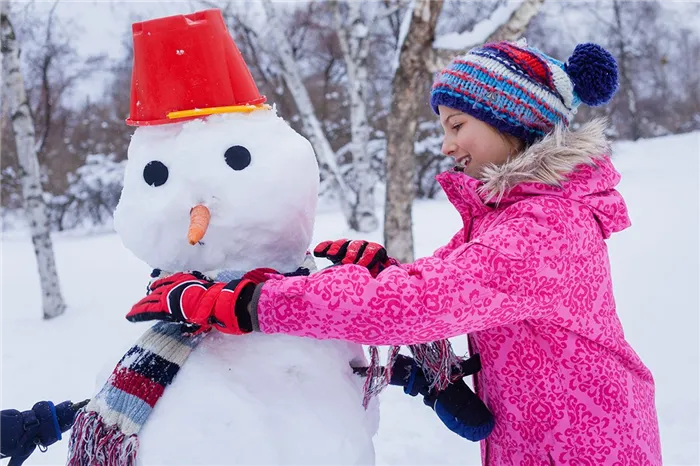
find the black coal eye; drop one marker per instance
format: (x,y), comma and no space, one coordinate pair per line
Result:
(237,157)
(155,173)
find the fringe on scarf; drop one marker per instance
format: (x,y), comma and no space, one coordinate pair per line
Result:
(92,443)
(378,377)
(437,360)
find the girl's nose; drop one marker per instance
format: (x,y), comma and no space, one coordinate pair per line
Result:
(448,147)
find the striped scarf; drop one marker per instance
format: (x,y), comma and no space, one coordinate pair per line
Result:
(105,433)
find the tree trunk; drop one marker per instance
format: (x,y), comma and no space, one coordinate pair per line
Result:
(407,94)
(416,60)
(635,127)
(23,126)
(353,36)
(312,126)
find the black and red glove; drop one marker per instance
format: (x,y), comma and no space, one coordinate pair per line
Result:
(199,303)
(373,256)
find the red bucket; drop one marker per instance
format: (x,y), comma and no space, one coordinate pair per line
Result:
(184,63)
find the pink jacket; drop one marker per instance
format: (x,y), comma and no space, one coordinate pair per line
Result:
(528,280)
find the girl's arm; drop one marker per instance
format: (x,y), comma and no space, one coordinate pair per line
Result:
(517,270)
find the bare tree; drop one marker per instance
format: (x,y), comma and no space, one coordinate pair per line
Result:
(353,29)
(23,126)
(312,125)
(417,58)
(623,69)
(411,74)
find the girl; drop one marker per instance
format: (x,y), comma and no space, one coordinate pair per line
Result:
(527,279)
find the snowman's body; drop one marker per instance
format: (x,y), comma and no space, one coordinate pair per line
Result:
(253,399)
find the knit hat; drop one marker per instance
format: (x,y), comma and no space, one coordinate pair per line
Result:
(523,92)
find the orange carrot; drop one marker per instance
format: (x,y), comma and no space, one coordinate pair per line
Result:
(199,222)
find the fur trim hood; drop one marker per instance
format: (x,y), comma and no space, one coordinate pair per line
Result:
(548,161)
(568,164)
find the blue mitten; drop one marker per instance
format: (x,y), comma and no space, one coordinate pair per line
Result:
(462,411)
(41,426)
(457,406)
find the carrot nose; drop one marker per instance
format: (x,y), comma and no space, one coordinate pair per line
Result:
(199,222)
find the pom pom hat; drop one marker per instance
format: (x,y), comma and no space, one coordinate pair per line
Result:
(188,66)
(523,92)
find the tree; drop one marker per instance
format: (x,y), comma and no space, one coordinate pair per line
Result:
(411,74)
(23,126)
(418,57)
(312,126)
(353,30)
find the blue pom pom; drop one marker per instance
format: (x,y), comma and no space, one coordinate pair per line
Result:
(594,73)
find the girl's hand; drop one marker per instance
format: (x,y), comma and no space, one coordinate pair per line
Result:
(373,256)
(199,303)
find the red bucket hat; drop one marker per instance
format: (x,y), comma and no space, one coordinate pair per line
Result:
(188,66)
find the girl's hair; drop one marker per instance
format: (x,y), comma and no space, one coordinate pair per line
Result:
(516,145)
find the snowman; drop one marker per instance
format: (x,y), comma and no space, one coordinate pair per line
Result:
(216,182)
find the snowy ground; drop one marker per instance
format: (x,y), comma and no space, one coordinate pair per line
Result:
(655,267)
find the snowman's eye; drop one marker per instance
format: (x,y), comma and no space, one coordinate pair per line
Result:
(155,173)
(237,157)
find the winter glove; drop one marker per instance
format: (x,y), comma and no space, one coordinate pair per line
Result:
(457,406)
(22,432)
(373,256)
(199,303)
(462,411)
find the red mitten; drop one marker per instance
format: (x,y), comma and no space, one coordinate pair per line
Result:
(231,313)
(373,256)
(181,297)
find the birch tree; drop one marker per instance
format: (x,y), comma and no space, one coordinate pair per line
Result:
(421,54)
(354,37)
(312,126)
(23,127)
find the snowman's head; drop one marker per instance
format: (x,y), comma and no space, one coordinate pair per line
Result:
(256,178)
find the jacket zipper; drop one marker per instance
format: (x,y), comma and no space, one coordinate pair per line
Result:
(469,229)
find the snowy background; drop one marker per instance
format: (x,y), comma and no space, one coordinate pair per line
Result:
(655,274)
(80,52)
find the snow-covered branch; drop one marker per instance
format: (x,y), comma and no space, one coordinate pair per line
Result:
(354,39)
(507,22)
(312,126)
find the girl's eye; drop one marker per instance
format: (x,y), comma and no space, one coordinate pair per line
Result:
(457,126)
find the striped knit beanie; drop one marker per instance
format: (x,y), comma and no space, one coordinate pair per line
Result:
(523,92)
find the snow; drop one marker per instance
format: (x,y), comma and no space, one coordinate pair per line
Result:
(258,214)
(655,272)
(481,32)
(261,193)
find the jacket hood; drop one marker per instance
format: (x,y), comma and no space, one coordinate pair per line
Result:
(565,163)
(549,161)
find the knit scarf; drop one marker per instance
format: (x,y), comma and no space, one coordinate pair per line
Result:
(437,360)
(105,433)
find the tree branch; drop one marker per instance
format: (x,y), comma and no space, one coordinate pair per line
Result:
(511,30)
(45,82)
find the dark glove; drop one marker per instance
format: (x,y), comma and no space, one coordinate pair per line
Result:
(457,406)
(41,426)
(462,411)
(373,256)
(199,303)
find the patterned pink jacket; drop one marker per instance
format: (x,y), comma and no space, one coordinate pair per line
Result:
(528,279)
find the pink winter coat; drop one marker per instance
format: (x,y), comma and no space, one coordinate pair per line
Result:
(528,280)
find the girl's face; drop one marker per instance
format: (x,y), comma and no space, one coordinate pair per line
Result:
(473,143)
